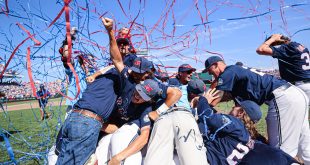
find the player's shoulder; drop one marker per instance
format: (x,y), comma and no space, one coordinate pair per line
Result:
(231,71)
(174,82)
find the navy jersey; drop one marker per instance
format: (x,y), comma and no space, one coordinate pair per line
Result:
(127,88)
(43,97)
(267,155)
(43,94)
(248,84)
(294,61)
(136,114)
(125,110)
(228,141)
(100,95)
(226,138)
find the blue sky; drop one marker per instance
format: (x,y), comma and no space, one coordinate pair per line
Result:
(235,39)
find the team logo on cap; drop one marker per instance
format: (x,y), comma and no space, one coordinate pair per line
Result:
(138,63)
(148,88)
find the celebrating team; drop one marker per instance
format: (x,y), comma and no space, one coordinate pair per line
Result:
(131,114)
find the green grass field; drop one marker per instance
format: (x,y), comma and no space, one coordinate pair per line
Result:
(32,137)
(32,101)
(36,137)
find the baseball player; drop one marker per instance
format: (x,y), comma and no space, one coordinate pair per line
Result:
(102,92)
(176,128)
(43,95)
(125,144)
(185,72)
(227,139)
(123,110)
(293,59)
(163,77)
(287,124)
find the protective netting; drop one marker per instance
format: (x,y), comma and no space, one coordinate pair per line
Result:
(168,32)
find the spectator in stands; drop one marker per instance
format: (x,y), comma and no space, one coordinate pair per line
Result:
(43,96)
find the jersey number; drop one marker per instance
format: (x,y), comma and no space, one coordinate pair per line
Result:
(307,60)
(237,153)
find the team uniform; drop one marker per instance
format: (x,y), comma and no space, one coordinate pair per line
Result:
(120,116)
(130,125)
(176,129)
(287,116)
(228,141)
(43,95)
(130,118)
(294,64)
(81,128)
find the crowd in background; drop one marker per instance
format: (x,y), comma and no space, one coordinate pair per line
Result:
(22,90)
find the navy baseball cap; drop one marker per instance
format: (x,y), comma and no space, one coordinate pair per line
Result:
(148,89)
(196,86)
(211,60)
(129,59)
(251,108)
(141,65)
(164,75)
(41,85)
(185,68)
(124,41)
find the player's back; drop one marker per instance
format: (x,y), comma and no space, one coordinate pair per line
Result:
(294,61)
(229,144)
(267,155)
(248,83)
(100,95)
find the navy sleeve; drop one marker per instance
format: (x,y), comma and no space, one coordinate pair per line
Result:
(203,108)
(174,82)
(163,93)
(144,119)
(228,125)
(124,77)
(226,81)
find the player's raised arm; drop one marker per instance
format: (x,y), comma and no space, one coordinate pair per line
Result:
(114,51)
(265,47)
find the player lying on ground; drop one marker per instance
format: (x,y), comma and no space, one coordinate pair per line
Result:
(227,139)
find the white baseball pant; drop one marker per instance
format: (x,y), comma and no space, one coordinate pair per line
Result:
(113,144)
(287,122)
(180,128)
(304,86)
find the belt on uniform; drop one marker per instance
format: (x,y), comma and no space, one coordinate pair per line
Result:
(280,88)
(89,114)
(179,108)
(301,82)
(284,87)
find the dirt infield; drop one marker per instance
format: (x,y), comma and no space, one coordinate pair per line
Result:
(29,105)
